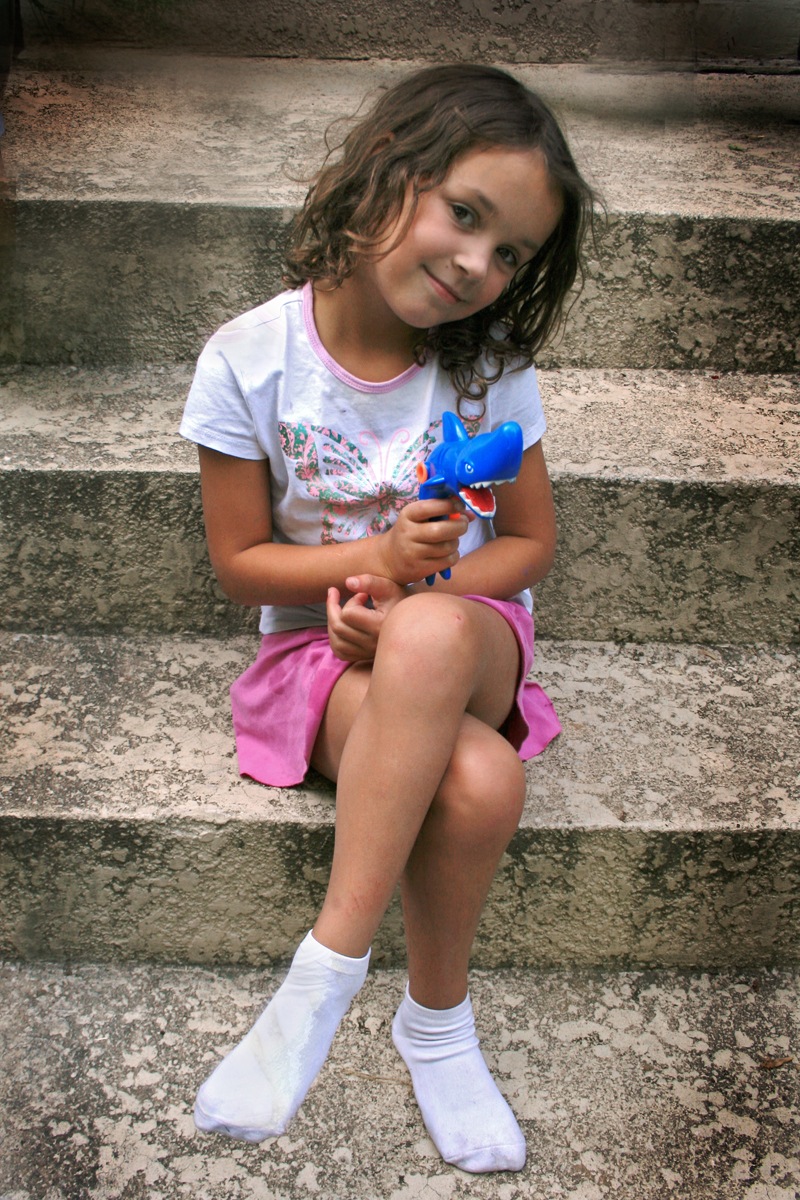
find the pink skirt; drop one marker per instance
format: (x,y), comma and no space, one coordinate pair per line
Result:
(278,703)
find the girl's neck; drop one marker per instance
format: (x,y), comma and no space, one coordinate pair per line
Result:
(360,331)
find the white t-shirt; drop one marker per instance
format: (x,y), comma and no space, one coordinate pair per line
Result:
(342,452)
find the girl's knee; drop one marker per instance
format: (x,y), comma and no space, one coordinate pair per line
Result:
(434,632)
(484,787)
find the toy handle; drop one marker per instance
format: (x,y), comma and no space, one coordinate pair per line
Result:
(445,574)
(427,492)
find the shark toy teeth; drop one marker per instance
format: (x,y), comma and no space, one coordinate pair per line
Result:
(471,467)
(480,498)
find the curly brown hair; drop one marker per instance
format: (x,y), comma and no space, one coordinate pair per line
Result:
(411,137)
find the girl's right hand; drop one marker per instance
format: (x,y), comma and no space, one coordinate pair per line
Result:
(417,546)
(354,629)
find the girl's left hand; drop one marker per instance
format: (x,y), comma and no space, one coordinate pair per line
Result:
(354,629)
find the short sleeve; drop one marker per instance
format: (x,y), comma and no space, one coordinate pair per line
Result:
(217,414)
(524,404)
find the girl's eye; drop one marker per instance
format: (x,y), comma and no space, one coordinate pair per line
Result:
(508,256)
(462,214)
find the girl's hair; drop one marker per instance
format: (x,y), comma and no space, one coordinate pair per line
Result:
(412,136)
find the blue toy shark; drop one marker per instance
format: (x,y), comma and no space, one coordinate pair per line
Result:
(469,467)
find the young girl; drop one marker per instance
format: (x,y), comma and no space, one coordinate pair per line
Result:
(429,263)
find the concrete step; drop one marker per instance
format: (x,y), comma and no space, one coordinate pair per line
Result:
(151,204)
(555,31)
(662,828)
(637,1085)
(677,497)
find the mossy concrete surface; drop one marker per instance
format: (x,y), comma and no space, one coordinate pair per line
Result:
(635,1085)
(677,495)
(661,827)
(150,195)
(637,561)
(187,891)
(653,31)
(119,282)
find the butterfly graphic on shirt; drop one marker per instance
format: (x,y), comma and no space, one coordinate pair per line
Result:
(363,487)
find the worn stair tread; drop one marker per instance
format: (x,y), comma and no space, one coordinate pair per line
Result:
(623,1083)
(758,35)
(95,418)
(661,828)
(120,124)
(659,425)
(656,737)
(676,493)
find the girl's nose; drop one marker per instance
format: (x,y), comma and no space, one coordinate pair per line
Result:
(473,259)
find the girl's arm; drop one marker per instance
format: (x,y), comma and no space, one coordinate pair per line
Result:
(252,569)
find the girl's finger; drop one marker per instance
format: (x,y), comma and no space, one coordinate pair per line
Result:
(335,607)
(352,644)
(351,654)
(423,510)
(358,622)
(357,600)
(352,650)
(433,542)
(375,586)
(354,621)
(436,544)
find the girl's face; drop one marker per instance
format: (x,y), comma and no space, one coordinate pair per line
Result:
(470,235)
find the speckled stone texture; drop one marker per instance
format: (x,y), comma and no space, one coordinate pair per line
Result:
(677,496)
(637,1086)
(152,193)
(660,828)
(534,30)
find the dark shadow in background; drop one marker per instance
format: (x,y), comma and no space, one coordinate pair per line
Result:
(10,37)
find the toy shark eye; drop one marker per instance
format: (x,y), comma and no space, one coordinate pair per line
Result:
(468,467)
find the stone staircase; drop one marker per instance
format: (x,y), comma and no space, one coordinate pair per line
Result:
(150,182)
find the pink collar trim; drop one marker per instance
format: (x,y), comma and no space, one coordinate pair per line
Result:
(360,385)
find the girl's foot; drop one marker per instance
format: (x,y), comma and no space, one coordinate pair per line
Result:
(256,1090)
(469,1122)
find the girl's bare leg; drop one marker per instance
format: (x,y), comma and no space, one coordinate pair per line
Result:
(472,815)
(445,671)
(451,867)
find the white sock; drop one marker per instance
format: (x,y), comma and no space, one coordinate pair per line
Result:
(256,1090)
(469,1122)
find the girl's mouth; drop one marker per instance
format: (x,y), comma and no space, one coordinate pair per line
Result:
(442,289)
